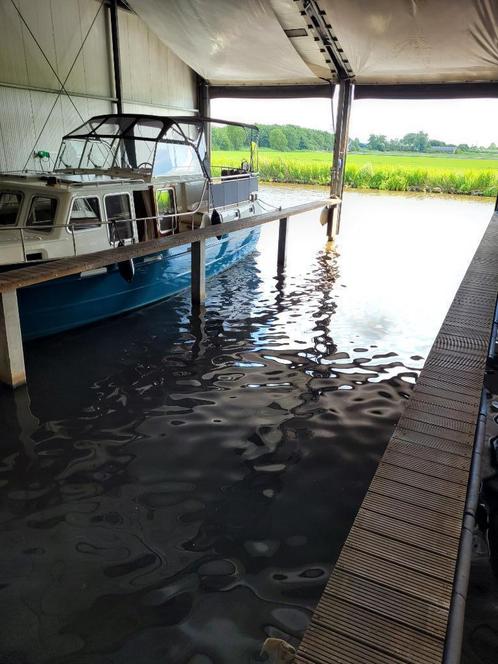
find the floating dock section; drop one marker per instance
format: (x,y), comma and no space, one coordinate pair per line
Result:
(396,592)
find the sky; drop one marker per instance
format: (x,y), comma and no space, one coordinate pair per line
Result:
(472,121)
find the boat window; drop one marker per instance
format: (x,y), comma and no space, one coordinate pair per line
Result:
(85,214)
(147,128)
(192,131)
(88,127)
(165,208)
(71,153)
(176,159)
(118,211)
(42,213)
(114,126)
(10,202)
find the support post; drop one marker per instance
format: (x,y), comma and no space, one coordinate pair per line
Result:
(341,138)
(116,58)
(204,106)
(12,371)
(198,271)
(332,221)
(282,243)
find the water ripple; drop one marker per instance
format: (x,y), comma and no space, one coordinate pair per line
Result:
(177,486)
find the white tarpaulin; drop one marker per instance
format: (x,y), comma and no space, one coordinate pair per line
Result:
(226,41)
(418,41)
(240,42)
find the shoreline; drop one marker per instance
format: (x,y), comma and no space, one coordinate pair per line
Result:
(430,194)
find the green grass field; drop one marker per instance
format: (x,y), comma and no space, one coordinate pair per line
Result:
(457,174)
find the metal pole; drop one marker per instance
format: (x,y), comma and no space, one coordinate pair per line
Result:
(198,271)
(204,106)
(116,59)
(341,138)
(332,223)
(454,634)
(282,243)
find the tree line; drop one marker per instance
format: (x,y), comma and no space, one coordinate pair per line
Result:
(276,137)
(413,142)
(292,138)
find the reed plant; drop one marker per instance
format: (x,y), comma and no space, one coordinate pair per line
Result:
(276,168)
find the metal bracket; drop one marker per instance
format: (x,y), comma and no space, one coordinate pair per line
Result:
(322,30)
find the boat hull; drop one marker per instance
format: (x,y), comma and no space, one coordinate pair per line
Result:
(63,304)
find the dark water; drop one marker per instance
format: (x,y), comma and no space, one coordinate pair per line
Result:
(175,487)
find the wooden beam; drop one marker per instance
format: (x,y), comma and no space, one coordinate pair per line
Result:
(12,371)
(198,271)
(282,243)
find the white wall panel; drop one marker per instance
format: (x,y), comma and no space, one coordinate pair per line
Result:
(12,61)
(97,60)
(152,74)
(16,115)
(38,16)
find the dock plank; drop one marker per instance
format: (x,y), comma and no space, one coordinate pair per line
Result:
(388,598)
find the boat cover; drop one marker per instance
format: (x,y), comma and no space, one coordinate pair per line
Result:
(244,42)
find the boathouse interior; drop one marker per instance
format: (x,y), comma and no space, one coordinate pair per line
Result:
(397,593)
(254,48)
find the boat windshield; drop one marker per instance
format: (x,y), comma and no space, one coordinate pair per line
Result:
(180,154)
(147,145)
(112,143)
(131,142)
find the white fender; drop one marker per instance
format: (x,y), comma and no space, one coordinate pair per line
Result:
(324,215)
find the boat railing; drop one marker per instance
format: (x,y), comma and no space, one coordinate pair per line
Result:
(235,176)
(114,231)
(75,228)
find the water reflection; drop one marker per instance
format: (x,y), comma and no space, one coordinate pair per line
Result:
(181,482)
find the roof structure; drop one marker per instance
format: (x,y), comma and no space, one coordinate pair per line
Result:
(318,42)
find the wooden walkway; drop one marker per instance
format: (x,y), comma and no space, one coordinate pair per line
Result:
(12,369)
(388,597)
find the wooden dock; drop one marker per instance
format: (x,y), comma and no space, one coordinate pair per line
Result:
(394,588)
(12,369)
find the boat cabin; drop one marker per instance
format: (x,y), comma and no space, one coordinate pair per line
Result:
(120,179)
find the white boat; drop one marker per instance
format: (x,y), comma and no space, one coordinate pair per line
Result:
(118,180)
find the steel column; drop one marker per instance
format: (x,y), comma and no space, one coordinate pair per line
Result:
(116,58)
(204,106)
(341,138)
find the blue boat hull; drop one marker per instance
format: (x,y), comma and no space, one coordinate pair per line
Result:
(70,302)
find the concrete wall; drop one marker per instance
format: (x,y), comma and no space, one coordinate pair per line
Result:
(154,79)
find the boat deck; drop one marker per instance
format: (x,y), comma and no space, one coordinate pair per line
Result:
(388,598)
